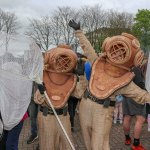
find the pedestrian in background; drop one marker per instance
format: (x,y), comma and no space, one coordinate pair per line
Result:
(33,111)
(118,114)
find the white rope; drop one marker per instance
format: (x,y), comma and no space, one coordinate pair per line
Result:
(63,129)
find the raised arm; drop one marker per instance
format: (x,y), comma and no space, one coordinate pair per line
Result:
(89,52)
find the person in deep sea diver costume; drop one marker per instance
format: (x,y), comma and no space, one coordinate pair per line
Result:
(110,76)
(60,83)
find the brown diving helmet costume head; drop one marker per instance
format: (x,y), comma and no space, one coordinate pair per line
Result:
(123,51)
(58,76)
(61,59)
(111,70)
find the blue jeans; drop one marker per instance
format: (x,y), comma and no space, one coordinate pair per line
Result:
(11,138)
(33,111)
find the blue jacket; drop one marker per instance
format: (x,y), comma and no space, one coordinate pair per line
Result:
(87,69)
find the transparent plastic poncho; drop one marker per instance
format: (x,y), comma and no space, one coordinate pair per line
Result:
(21,63)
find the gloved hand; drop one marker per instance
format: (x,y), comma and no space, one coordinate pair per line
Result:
(74,25)
(41,88)
(39,98)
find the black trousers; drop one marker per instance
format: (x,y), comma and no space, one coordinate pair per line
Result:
(72,104)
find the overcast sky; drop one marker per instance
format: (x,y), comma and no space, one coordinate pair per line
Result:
(25,9)
(37,8)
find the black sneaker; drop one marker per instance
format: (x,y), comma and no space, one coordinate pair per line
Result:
(32,139)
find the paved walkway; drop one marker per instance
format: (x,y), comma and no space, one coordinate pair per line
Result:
(116,138)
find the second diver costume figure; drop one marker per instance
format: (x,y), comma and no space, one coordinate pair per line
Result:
(110,76)
(60,83)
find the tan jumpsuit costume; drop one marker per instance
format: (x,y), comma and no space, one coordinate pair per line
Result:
(60,83)
(110,76)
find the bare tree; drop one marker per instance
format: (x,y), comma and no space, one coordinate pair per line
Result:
(8,22)
(1,20)
(40,31)
(62,16)
(9,25)
(100,24)
(93,19)
(53,29)
(119,22)
(56,31)
(97,23)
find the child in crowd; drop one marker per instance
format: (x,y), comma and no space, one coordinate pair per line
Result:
(118,115)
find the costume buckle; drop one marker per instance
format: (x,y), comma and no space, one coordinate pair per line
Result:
(106,103)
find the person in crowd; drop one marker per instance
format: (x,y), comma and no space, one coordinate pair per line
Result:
(60,83)
(11,137)
(145,73)
(110,76)
(83,72)
(118,115)
(72,104)
(16,95)
(130,109)
(33,111)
